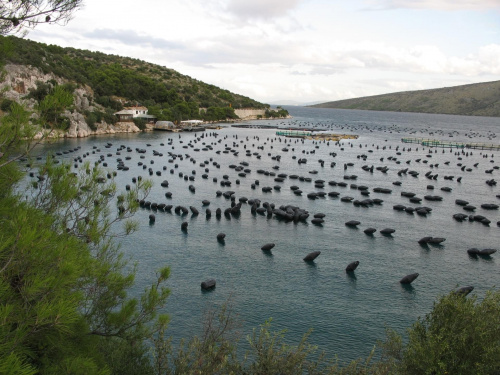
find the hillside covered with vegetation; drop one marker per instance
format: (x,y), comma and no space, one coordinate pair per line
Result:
(479,99)
(117,82)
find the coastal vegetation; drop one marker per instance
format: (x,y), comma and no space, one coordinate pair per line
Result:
(479,99)
(279,112)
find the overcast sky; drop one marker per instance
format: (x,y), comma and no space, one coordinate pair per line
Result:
(301,50)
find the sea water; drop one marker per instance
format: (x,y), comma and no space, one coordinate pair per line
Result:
(347,313)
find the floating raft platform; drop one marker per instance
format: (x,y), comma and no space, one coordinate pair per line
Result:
(415,140)
(331,137)
(448,144)
(294,133)
(254,126)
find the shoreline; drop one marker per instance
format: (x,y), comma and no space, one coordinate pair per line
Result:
(130,127)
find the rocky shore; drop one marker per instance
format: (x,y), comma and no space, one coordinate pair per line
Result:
(17,82)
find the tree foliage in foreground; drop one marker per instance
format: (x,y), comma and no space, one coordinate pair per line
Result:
(459,336)
(17,15)
(64,303)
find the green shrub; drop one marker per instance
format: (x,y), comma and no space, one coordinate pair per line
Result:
(107,102)
(140,123)
(459,336)
(40,92)
(6,104)
(95,117)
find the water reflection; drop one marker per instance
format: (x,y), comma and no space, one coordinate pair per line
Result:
(408,289)
(310,263)
(207,291)
(352,279)
(268,254)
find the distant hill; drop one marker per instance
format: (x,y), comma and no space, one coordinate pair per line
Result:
(478,99)
(114,82)
(294,103)
(126,77)
(77,92)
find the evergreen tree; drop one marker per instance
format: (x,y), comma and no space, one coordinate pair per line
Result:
(63,281)
(459,336)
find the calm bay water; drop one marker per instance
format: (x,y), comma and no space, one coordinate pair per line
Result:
(347,313)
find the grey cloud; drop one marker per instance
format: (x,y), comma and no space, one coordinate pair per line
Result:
(243,51)
(325,70)
(130,37)
(261,9)
(239,50)
(257,50)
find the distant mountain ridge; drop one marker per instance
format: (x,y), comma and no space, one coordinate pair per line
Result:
(478,99)
(294,103)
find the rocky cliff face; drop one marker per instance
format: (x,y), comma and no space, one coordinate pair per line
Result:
(16,82)
(249,114)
